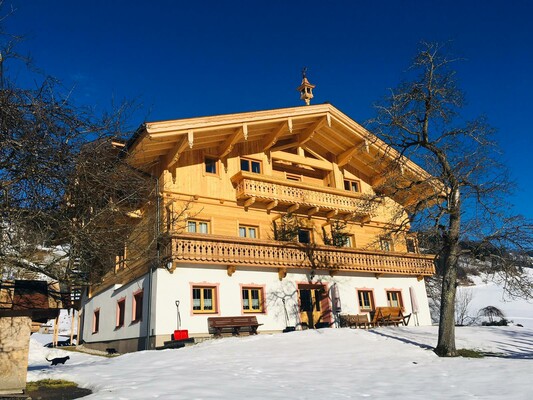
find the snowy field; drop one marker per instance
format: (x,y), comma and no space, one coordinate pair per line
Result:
(323,364)
(314,364)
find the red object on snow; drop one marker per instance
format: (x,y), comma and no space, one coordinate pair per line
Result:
(181,334)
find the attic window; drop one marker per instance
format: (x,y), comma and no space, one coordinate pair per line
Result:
(352,186)
(210,165)
(250,165)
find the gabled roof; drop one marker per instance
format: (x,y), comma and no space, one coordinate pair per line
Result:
(321,129)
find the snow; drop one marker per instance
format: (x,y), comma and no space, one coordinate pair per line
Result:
(488,293)
(327,363)
(396,362)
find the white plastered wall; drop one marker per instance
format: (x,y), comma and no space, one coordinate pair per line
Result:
(106,302)
(176,286)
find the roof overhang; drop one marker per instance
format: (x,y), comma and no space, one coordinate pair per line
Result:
(322,130)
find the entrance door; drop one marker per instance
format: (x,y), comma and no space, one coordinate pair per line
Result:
(314,305)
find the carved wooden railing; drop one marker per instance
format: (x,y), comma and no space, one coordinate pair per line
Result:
(267,188)
(210,249)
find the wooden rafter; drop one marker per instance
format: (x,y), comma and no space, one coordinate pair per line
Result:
(225,148)
(308,134)
(174,155)
(271,139)
(345,157)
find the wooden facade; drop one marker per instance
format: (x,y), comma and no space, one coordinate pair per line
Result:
(230,178)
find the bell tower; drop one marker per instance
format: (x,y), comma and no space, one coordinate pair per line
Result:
(306,88)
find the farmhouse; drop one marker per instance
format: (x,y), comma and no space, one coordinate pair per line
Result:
(271,214)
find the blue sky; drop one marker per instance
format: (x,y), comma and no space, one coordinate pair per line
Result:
(184,59)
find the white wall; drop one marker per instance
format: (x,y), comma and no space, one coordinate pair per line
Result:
(106,301)
(170,287)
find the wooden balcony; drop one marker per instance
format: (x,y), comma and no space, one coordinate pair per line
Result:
(313,199)
(223,250)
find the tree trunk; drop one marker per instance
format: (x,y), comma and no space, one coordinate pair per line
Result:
(446,342)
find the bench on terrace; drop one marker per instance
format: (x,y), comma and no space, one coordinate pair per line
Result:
(384,316)
(233,324)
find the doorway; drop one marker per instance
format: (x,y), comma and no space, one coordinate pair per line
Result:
(315,309)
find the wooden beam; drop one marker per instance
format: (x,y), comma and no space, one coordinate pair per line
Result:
(225,148)
(271,139)
(313,211)
(289,124)
(309,133)
(345,157)
(272,205)
(231,269)
(328,118)
(295,159)
(282,273)
(331,214)
(293,208)
(249,202)
(174,155)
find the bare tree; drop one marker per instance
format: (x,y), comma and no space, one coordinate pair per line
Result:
(72,208)
(464,194)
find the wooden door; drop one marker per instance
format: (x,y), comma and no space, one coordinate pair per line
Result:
(312,307)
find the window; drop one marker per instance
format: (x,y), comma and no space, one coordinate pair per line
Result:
(120,260)
(386,244)
(210,165)
(96,320)
(411,245)
(304,235)
(248,231)
(292,177)
(252,300)
(137,306)
(366,300)
(348,241)
(352,186)
(197,226)
(394,298)
(203,299)
(250,165)
(121,312)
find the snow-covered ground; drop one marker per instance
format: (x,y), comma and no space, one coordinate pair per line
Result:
(314,364)
(488,293)
(323,364)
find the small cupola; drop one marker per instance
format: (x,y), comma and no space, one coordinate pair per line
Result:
(305,89)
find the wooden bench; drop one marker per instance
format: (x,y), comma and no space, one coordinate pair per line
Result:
(234,324)
(354,321)
(389,316)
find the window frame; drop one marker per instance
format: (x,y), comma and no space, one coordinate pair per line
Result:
(96,321)
(415,247)
(350,183)
(197,223)
(247,231)
(214,298)
(121,313)
(398,292)
(370,292)
(261,291)
(212,161)
(250,162)
(137,307)
(350,241)
(293,177)
(387,240)
(120,259)
(310,235)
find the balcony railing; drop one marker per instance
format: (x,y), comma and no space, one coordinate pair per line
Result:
(268,189)
(210,249)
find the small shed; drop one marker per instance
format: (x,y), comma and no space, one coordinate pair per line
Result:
(22,302)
